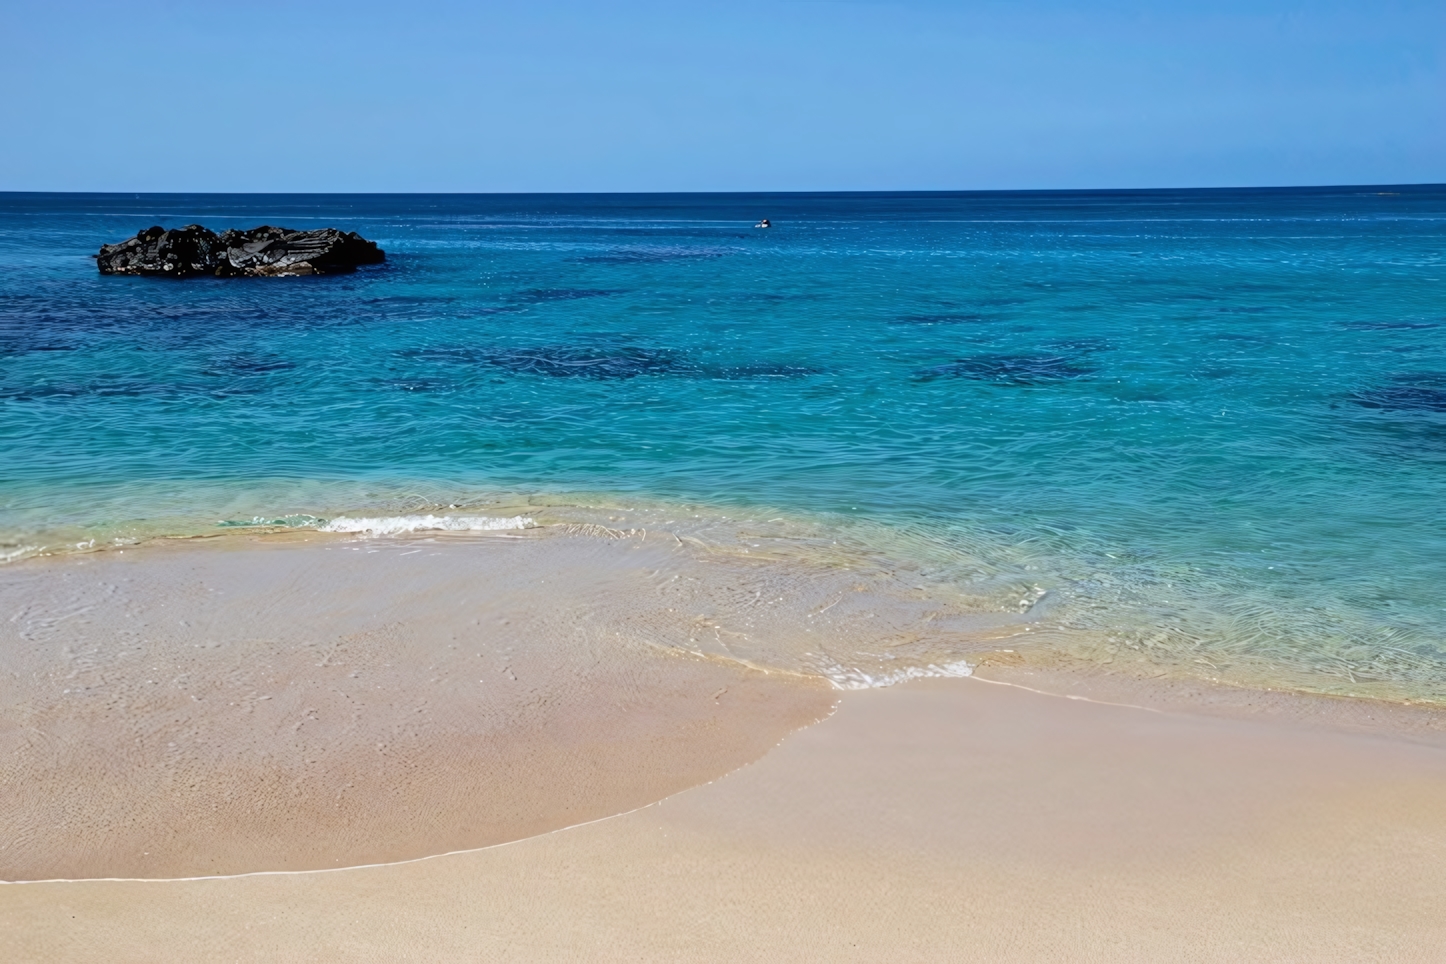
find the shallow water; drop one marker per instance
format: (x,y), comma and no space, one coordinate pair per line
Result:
(1200,429)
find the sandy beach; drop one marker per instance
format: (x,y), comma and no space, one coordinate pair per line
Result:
(937,820)
(624,802)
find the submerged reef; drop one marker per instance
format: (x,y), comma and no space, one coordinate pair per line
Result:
(1028,369)
(560,361)
(1407,392)
(264,252)
(565,361)
(1390,325)
(540,295)
(946,318)
(604,362)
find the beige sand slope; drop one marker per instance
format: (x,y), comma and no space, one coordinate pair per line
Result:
(944,820)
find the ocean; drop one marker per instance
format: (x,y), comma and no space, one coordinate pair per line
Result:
(1190,432)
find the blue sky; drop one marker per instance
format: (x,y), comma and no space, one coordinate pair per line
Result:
(738,95)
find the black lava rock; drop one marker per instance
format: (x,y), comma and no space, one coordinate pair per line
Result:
(259,252)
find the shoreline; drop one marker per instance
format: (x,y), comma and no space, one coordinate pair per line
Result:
(1048,675)
(1031,630)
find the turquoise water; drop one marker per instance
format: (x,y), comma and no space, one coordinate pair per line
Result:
(1209,427)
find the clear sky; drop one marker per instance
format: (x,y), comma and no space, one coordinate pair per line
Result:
(550,95)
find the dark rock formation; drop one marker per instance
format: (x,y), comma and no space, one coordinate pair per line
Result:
(156,251)
(259,252)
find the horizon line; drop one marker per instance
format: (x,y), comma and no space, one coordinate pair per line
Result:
(937,192)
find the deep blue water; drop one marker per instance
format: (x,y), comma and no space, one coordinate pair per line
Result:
(1214,421)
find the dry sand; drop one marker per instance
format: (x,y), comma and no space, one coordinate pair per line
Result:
(937,820)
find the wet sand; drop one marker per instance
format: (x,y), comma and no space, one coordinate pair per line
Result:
(227,707)
(936,820)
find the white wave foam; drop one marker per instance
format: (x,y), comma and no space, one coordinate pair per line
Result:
(18,553)
(849,678)
(393,525)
